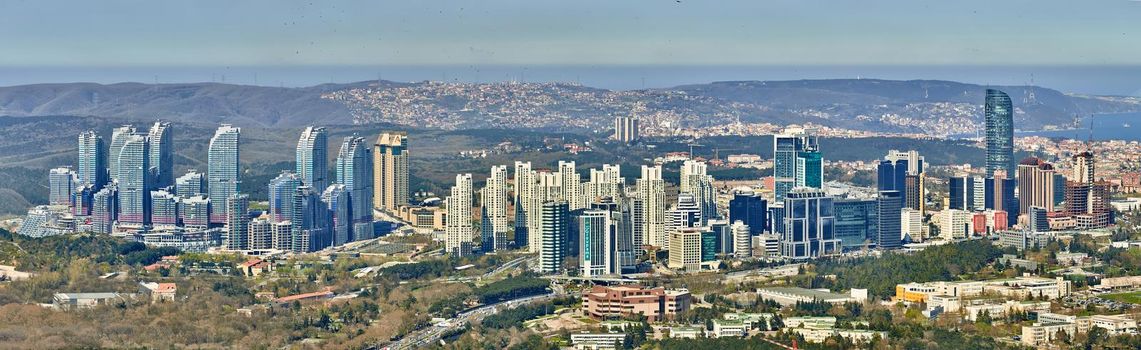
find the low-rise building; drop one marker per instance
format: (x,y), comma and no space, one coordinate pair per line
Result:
(72,301)
(1042,333)
(655,303)
(998,310)
(686,332)
(823,322)
(752,320)
(597,341)
(727,328)
(1019,287)
(792,295)
(1114,324)
(159,291)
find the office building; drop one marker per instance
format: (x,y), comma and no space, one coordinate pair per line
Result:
(650,208)
(493,210)
(1038,219)
(856,222)
(809,224)
(459,231)
(61,186)
(1083,164)
(967,193)
(338,198)
(955,224)
(597,243)
(742,239)
(161,137)
(237,222)
(904,172)
(312,157)
(190,184)
(656,304)
(626,129)
(999,195)
(911,225)
(224,173)
(1035,185)
(999,115)
(92,165)
(809,168)
(355,172)
(751,209)
(281,191)
(685,249)
(685,214)
(786,147)
(390,168)
(118,137)
(105,209)
(134,178)
(890,206)
(696,181)
(553,234)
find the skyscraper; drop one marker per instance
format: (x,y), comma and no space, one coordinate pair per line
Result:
(104,209)
(1035,185)
(696,181)
(1084,168)
(786,147)
(390,168)
(281,191)
(555,218)
(597,245)
(224,172)
(524,212)
(685,249)
(190,184)
(337,198)
(313,158)
(571,185)
(857,222)
(742,239)
(890,215)
(61,186)
(904,172)
(626,129)
(809,224)
(355,172)
(751,209)
(606,182)
(967,193)
(118,137)
(459,231)
(685,214)
(809,168)
(164,209)
(493,210)
(237,222)
(134,179)
(161,139)
(651,200)
(92,166)
(999,133)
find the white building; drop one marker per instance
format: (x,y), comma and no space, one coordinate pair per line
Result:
(458,230)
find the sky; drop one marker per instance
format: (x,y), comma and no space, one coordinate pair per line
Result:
(118,33)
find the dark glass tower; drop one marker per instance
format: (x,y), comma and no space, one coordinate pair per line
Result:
(999,133)
(750,209)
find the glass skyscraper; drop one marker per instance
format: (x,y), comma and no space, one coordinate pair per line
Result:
(890,212)
(787,150)
(809,224)
(999,133)
(162,154)
(92,169)
(312,158)
(134,177)
(750,209)
(224,173)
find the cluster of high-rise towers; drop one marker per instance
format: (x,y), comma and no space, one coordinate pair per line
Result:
(128,187)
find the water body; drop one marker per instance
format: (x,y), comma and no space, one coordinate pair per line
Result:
(1124,126)
(1098,80)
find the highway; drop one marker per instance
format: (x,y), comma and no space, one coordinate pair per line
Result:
(432,334)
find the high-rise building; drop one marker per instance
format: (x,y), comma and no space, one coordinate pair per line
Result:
(999,115)
(134,178)
(1035,185)
(524,183)
(626,129)
(310,223)
(955,224)
(337,197)
(312,158)
(194,212)
(685,249)
(1084,168)
(1038,220)
(786,147)
(118,137)
(459,231)
(684,214)
(390,168)
(889,205)
(161,139)
(597,244)
(605,182)
(696,181)
(742,239)
(809,224)
(967,193)
(355,172)
(82,200)
(751,209)
(224,173)
(555,218)
(61,186)
(904,172)
(493,210)
(105,209)
(281,191)
(572,185)
(809,168)
(261,233)
(857,222)
(911,225)
(237,222)
(1000,195)
(92,165)
(650,210)
(191,184)
(164,209)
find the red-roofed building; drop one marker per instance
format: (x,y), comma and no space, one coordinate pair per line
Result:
(255,267)
(305,296)
(159,291)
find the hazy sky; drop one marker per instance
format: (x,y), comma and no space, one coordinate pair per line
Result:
(689,32)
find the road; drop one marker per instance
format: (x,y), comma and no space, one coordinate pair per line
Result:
(431,334)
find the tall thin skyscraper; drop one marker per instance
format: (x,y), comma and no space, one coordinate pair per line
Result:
(224,173)
(354,171)
(61,186)
(999,133)
(571,185)
(524,185)
(92,167)
(786,148)
(1035,185)
(555,229)
(118,137)
(162,153)
(750,209)
(281,191)
(626,129)
(652,201)
(904,172)
(459,231)
(597,246)
(890,216)
(313,157)
(809,168)
(696,181)
(605,182)
(1084,168)
(390,166)
(493,200)
(337,198)
(237,222)
(134,179)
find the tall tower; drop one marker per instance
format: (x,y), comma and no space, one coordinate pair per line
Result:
(555,229)
(626,129)
(224,173)
(162,153)
(572,185)
(281,191)
(1035,185)
(606,182)
(695,181)
(118,137)
(1084,168)
(652,199)
(459,230)
(134,179)
(890,216)
(61,184)
(809,233)
(786,148)
(355,172)
(597,247)
(313,158)
(904,172)
(237,222)
(390,166)
(92,167)
(524,187)
(999,133)
(493,211)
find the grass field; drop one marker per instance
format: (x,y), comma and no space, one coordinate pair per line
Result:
(1131,297)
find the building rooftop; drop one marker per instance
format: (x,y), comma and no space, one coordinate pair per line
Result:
(804,292)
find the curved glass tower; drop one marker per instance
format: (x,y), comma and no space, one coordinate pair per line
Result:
(999,133)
